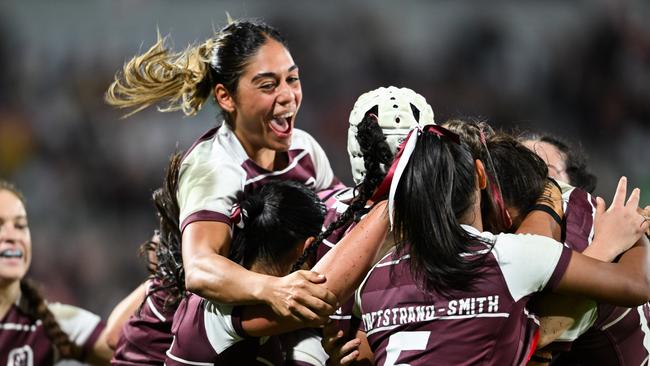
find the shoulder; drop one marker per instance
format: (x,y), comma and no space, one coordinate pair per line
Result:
(303,140)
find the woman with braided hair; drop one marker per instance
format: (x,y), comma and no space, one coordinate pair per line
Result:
(451,294)
(33,332)
(248,70)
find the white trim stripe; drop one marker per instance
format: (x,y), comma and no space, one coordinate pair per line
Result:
(328,243)
(20,327)
(279,172)
(178,359)
(393,262)
(615,320)
(340,317)
(154,310)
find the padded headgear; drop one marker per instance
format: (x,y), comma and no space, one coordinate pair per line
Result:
(398,109)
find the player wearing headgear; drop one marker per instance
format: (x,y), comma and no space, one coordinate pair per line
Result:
(451,294)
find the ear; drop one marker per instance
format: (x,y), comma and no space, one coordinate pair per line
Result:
(224,98)
(307,243)
(480,174)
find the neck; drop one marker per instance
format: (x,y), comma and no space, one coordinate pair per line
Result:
(277,270)
(263,157)
(8,296)
(473,215)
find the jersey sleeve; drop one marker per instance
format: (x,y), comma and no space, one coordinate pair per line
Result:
(82,327)
(207,190)
(530,263)
(219,326)
(325,179)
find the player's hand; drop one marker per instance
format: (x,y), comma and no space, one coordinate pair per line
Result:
(341,350)
(620,226)
(299,296)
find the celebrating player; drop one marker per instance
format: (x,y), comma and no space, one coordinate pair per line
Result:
(33,332)
(249,71)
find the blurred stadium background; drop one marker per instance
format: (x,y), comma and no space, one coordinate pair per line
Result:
(578,69)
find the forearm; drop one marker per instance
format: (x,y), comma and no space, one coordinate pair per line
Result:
(121,314)
(626,283)
(345,265)
(219,279)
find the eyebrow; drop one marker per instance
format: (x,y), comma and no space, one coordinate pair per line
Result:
(271,74)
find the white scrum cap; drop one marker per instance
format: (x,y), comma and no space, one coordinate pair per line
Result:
(399,109)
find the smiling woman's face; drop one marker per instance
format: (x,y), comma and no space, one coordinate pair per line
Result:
(267,99)
(15,239)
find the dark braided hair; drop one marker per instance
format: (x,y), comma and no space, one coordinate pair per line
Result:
(168,268)
(37,309)
(376,155)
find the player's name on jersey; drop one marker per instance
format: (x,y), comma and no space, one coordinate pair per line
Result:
(484,306)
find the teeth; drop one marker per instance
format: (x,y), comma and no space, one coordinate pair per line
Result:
(286,115)
(11,253)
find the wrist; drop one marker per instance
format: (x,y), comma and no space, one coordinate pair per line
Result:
(601,251)
(259,287)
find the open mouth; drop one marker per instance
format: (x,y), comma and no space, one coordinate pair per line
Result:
(11,253)
(282,124)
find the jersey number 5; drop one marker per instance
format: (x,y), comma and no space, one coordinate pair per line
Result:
(405,341)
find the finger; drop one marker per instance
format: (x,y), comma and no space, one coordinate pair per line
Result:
(323,294)
(312,276)
(621,191)
(317,305)
(347,360)
(633,201)
(600,206)
(350,346)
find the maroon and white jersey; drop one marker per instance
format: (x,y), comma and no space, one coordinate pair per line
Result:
(488,325)
(604,334)
(303,347)
(207,333)
(147,334)
(23,341)
(216,168)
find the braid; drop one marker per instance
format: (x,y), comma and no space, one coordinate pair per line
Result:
(37,309)
(376,155)
(169,267)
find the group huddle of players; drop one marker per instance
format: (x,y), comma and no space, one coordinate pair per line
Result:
(454,247)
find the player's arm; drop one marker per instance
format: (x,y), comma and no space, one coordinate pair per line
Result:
(210,274)
(343,266)
(627,282)
(120,314)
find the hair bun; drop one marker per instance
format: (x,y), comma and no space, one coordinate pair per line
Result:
(252,206)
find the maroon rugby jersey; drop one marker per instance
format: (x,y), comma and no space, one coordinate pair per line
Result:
(206,333)
(614,335)
(23,341)
(216,169)
(147,334)
(487,326)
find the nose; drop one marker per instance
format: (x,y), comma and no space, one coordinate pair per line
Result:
(285,93)
(7,233)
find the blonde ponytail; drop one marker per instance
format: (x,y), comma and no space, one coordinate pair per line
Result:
(182,81)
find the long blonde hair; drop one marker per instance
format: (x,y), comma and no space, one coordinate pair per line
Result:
(184,80)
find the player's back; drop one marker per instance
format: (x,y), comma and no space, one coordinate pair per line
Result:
(487,325)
